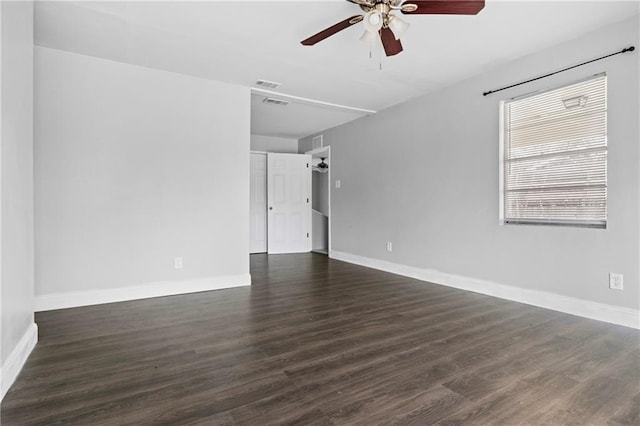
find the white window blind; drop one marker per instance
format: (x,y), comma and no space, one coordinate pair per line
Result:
(555,156)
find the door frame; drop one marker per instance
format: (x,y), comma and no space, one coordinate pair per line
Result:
(317,153)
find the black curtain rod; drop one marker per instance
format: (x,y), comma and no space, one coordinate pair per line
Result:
(628,49)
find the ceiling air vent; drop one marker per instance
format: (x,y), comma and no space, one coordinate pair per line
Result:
(268,84)
(275,101)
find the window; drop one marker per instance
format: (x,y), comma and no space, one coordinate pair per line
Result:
(554,156)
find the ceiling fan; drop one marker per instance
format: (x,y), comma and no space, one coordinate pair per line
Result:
(321,167)
(380,20)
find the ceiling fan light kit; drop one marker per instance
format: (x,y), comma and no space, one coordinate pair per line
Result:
(368,37)
(379,21)
(373,21)
(398,26)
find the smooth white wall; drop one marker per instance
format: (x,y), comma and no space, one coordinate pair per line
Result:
(424,175)
(134,167)
(273,144)
(16,153)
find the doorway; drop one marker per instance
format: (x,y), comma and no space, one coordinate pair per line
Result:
(280,203)
(321,199)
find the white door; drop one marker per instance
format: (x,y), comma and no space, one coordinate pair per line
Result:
(289,203)
(258,204)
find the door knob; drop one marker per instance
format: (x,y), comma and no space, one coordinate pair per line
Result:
(270,208)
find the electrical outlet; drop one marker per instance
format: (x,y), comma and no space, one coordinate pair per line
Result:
(338,183)
(615,281)
(177,263)
(389,246)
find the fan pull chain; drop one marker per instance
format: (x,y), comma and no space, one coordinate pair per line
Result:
(379,51)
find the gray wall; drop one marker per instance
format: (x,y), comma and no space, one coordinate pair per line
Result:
(320,192)
(133,167)
(16,173)
(424,175)
(273,144)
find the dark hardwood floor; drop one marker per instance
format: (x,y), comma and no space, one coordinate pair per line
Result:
(316,341)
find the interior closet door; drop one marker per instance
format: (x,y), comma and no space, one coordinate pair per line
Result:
(258,204)
(289,203)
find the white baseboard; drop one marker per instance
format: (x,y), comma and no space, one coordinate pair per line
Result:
(18,356)
(570,305)
(48,302)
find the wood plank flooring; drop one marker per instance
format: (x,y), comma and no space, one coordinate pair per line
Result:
(321,342)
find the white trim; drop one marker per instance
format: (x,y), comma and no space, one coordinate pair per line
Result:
(17,358)
(501,166)
(256,91)
(48,302)
(319,151)
(2,369)
(570,305)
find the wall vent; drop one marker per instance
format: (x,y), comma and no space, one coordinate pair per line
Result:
(268,84)
(275,101)
(317,142)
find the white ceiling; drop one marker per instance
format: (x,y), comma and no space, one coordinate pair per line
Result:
(240,42)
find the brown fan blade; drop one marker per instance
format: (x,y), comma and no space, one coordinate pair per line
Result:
(391,45)
(332,30)
(444,7)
